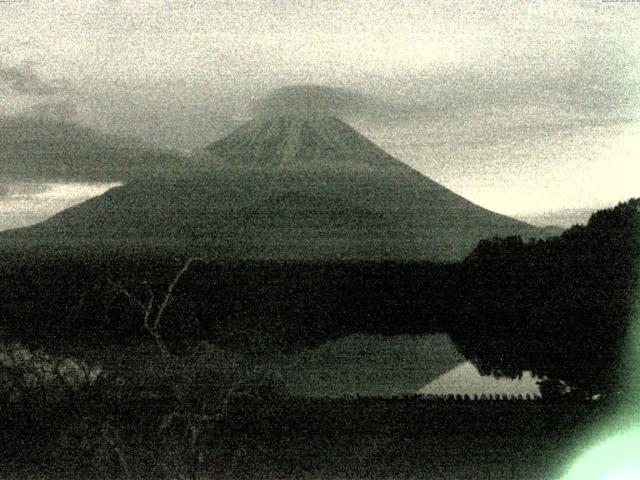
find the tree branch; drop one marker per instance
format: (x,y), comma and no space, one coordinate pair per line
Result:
(149,308)
(151,322)
(132,299)
(169,295)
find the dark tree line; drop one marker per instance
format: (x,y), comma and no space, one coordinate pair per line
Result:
(249,305)
(559,307)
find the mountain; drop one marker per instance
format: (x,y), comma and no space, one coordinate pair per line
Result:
(54,149)
(286,187)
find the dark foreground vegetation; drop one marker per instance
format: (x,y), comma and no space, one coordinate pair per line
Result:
(256,306)
(212,414)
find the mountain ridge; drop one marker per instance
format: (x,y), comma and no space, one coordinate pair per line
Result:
(59,150)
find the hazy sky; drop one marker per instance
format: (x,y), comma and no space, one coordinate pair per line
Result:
(522,106)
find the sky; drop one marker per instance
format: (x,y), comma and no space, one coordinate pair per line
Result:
(528,108)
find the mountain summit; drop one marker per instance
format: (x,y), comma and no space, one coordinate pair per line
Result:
(309,141)
(300,187)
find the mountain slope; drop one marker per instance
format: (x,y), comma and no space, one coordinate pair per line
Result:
(292,187)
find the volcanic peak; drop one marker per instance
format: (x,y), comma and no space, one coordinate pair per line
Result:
(306,139)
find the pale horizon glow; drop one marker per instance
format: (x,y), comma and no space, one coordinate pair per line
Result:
(71,192)
(30,203)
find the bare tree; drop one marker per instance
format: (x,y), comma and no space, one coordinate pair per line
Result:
(154,312)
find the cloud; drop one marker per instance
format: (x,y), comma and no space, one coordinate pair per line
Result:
(307,99)
(10,188)
(350,105)
(25,80)
(590,85)
(63,110)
